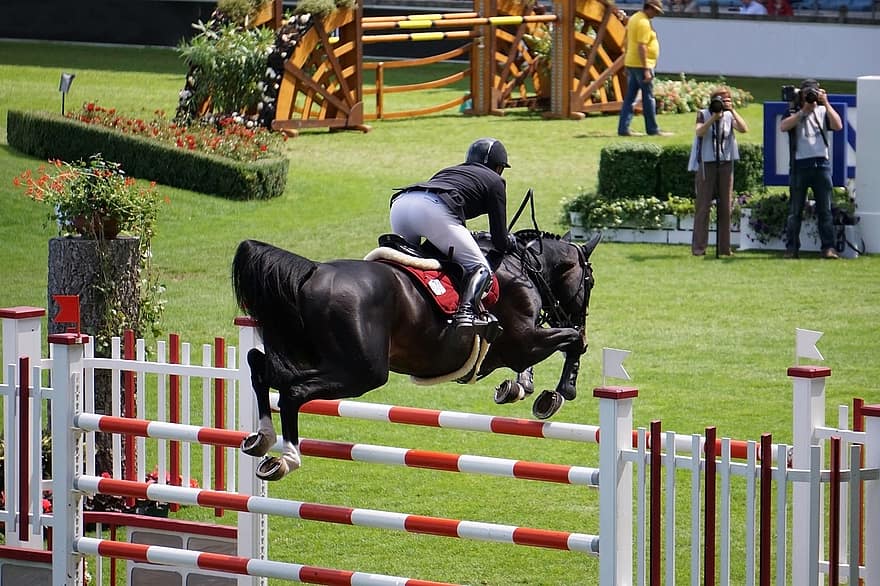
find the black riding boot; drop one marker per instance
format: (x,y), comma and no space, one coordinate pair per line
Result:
(469,302)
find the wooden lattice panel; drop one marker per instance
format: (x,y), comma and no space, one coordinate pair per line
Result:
(321,85)
(517,79)
(598,81)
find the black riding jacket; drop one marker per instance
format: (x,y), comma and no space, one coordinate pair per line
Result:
(471,190)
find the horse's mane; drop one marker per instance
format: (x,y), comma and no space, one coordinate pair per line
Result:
(532,234)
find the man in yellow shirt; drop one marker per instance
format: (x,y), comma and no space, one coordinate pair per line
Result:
(642,50)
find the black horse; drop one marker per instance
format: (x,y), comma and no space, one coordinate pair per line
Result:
(334,330)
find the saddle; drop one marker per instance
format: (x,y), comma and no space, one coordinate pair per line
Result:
(431,269)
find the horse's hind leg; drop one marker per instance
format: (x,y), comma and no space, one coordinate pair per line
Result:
(333,381)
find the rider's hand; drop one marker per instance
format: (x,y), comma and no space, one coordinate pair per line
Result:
(511,243)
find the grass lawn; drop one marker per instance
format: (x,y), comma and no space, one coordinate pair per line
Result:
(711,339)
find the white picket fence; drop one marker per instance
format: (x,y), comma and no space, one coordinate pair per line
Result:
(825,535)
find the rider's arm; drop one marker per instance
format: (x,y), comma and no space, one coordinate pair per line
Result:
(497,211)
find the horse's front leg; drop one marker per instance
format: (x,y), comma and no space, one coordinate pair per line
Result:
(567,385)
(511,391)
(549,402)
(276,468)
(260,442)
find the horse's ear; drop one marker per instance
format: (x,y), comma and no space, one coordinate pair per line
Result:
(591,244)
(566,237)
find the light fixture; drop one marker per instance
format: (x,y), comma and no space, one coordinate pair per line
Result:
(64,87)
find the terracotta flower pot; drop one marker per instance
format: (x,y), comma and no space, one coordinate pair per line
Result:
(102,227)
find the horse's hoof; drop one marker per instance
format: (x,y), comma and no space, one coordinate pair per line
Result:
(256,444)
(568,392)
(509,392)
(547,404)
(271,469)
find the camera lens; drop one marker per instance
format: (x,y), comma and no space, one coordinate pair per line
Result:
(716,105)
(811,96)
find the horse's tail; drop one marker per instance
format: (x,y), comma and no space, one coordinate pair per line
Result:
(266,281)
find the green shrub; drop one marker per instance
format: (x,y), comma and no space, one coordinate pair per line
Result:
(673,176)
(50,136)
(748,172)
(628,170)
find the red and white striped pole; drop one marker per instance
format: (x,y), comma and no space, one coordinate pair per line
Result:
(155,554)
(527,536)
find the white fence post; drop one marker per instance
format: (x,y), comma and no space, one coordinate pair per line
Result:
(21,337)
(808,413)
(253,529)
(615,485)
(872,494)
(67,460)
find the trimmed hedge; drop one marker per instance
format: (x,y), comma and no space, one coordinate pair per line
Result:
(629,170)
(50,136)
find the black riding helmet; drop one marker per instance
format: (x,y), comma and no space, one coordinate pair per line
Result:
(489,152)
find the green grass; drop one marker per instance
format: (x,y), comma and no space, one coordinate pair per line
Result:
(711,339)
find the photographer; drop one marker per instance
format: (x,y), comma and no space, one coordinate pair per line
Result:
(810,116)
(712,156)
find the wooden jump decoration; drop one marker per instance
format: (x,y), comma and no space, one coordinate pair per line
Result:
(319,82)
(315,72)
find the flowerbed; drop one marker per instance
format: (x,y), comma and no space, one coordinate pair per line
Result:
(232,137)
(51,136)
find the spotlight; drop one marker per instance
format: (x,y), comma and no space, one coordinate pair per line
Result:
(64,87)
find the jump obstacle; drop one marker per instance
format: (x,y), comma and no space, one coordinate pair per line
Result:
(853,518)
(316,70)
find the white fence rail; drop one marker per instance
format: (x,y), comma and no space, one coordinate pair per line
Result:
(826,535)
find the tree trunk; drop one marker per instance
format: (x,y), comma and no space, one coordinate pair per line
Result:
(82,267)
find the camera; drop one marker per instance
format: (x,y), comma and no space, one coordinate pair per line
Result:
(796,96)
(811,95)
(716,104)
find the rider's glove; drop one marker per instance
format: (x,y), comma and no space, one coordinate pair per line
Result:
(511,243)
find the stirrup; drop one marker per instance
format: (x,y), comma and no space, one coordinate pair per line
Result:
(464,317)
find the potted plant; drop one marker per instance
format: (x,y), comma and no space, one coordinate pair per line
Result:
(93,199)
(105,221)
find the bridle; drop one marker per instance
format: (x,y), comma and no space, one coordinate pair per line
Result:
(553,312)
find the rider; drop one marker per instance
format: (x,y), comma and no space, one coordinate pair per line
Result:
(437,210)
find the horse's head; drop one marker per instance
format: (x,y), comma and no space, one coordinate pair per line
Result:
(565,268)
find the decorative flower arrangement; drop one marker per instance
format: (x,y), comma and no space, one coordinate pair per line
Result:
(93,198)
(769,212)
(640,213)
(96,200)
(227,62)
(234,137)
(686,95)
